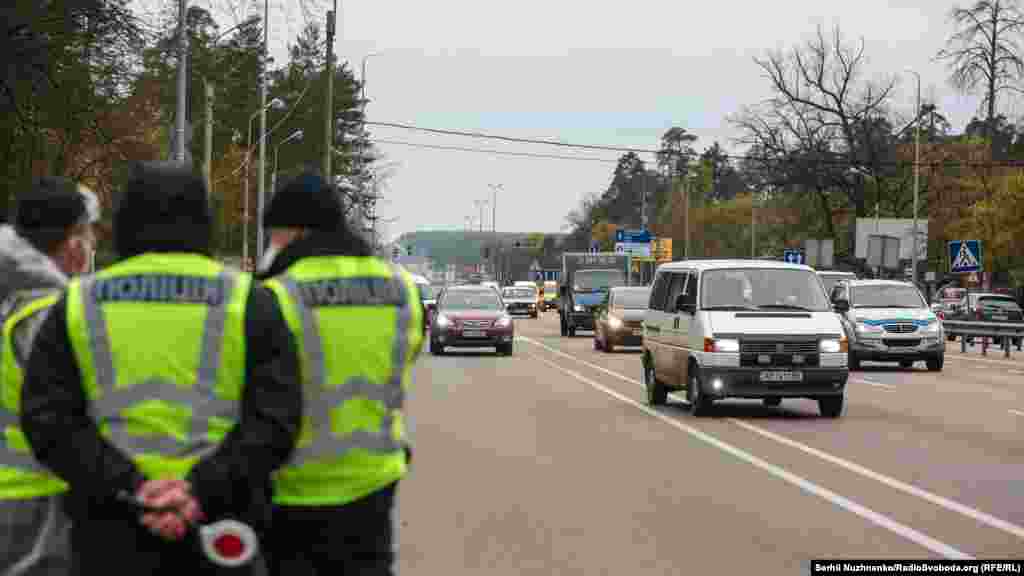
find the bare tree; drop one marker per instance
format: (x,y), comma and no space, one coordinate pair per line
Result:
(984,51)
(824,127)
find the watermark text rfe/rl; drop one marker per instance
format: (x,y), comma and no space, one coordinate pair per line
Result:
(843,567)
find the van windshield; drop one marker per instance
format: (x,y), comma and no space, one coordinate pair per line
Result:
(886,296)
(597,280)
(763,288)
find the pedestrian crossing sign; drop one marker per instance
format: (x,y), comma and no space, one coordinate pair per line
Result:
(965,256)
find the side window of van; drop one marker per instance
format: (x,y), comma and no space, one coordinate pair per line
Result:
(674,290)
(690,290)
(659,291)
(838,293)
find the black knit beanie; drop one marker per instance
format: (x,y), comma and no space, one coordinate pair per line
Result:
(163,208)
(305,201)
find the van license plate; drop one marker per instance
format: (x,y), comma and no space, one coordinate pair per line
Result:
(1000,317)
(474,334)
(774,376)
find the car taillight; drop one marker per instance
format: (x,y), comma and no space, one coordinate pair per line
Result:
(977,311)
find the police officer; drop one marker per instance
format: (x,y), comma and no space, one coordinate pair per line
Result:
(52,238)
(165,377)
(359,322)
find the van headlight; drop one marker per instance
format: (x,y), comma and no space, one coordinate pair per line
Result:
(832,345)
(614,323)
(577,308)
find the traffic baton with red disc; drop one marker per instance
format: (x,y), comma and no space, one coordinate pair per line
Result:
(228,543)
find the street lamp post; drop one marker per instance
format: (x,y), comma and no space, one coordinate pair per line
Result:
(297,135)
(494,218)
(276,104)
(262,184)
(917,173)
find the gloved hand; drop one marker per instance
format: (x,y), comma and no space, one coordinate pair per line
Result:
(173,494)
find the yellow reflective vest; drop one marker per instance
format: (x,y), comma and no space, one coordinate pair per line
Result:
(160,342)
(21,476)
(358,322)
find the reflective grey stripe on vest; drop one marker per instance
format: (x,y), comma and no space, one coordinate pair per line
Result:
(320,398)
(200,398)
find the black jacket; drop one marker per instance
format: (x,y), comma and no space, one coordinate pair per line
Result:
(234,481)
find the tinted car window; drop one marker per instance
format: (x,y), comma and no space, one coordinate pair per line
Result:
(674,290)
(766,288)
(998,302)
(659,291)
(589,280)
(886,296)
(484,299)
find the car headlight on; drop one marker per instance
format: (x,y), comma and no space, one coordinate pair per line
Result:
(577,308)
(833,345)
(503,322)
(443,321)
(614,323)
(722,345)
(868,328)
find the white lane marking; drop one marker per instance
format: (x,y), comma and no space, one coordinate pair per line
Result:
(1017,412)
(872,383)
(806,485)
(951,505)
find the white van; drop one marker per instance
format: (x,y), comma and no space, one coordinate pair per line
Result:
(743,329)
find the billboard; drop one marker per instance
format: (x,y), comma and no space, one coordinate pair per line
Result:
(902,228)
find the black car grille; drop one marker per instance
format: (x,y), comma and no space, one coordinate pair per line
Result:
(901,328)
(770,352)
(894,343)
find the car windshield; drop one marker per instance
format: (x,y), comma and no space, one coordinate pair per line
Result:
(1000,303)
(632,299)
(594,280)
(520,293)
(886,296)
(764,288)
(485,299)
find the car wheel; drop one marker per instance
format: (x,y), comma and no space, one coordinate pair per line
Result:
(572,331)
(505,349)
(700,403)
(657,394)
(906,364)
(853,362)
(772,402)
(830,406)
(935,363)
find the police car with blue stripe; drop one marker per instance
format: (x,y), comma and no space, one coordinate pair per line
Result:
(889,321)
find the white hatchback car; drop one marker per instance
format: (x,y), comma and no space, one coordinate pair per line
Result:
(743,329)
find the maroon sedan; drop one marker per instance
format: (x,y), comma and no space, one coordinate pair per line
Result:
(471,317)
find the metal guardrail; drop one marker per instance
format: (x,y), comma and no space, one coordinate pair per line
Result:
(985,330)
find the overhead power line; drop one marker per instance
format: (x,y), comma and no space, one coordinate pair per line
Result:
(491,151)
(624,149)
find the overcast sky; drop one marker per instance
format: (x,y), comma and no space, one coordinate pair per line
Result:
(586,72)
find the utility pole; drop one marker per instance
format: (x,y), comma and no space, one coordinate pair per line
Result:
(686,217)
(261,184)
(182,103)
(753,224)
(917,177)
(329,127)
(208,136)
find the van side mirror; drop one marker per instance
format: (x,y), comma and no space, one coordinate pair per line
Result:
(841,305)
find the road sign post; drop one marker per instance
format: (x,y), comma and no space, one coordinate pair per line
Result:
(965,256)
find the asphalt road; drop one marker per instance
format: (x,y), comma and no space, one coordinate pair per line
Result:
(548,462)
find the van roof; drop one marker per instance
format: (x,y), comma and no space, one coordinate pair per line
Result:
(871,282)
(702,265)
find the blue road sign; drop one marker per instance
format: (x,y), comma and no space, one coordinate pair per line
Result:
(793,256)
(595,246)
(633,236)
(965,256)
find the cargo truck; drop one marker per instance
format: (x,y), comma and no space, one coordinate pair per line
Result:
(585,280)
